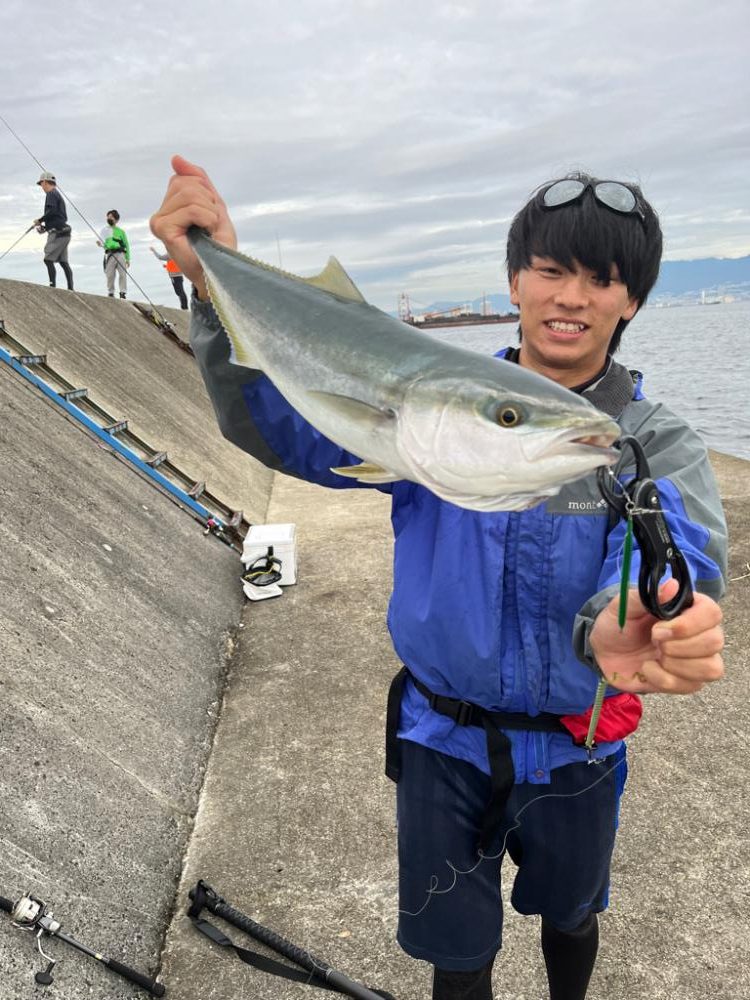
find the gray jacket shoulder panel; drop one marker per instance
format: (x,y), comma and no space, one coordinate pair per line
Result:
(676,452)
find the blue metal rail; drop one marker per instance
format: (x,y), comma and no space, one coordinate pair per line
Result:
(108,435)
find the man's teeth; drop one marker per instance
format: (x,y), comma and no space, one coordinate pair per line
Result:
(567,327)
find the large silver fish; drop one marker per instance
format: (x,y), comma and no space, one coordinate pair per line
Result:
(477,431)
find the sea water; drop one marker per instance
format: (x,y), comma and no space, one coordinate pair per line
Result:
(695,360)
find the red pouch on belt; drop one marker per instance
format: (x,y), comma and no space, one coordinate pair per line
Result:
(620,717)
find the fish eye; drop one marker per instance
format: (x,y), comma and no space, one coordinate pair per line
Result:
(508,415)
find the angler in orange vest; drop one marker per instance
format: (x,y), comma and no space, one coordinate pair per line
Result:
(175,276)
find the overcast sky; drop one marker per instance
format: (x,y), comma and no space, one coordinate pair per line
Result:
(399,135)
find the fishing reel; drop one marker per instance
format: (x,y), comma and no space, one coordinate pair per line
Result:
(32,914)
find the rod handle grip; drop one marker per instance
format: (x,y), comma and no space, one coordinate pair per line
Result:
(6,904)
(156,989)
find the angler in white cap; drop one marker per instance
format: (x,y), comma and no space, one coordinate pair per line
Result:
(54,222)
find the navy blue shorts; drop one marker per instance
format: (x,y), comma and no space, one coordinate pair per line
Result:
(450,907)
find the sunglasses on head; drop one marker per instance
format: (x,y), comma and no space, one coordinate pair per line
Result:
(611,194)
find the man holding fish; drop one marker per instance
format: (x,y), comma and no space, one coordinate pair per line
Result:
(490,464)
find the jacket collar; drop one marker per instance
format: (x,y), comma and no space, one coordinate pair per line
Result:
(610,391)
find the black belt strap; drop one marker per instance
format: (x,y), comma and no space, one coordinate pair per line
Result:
(466,713)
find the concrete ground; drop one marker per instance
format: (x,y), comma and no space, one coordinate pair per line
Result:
(296,824)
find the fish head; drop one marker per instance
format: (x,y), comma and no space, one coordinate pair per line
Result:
(486,446)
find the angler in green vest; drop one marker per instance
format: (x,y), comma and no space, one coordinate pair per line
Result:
(116,253)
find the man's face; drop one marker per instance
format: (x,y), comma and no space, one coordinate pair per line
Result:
(110,220)
(46,186)
(567,318)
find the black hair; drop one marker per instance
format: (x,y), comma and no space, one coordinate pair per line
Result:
(113,211)
(592,234)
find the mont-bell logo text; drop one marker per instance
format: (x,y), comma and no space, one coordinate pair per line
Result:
(584,505)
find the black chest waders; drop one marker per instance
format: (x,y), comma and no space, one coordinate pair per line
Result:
(465,713)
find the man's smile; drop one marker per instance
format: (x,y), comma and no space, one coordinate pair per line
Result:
(565,329)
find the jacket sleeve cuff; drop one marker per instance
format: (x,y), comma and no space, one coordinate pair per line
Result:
(204,312)
(584,623)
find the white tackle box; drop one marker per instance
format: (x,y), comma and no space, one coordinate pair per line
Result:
(283,539)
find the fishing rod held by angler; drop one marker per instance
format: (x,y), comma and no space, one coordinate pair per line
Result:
(31,914)
(317,972)
(24,233)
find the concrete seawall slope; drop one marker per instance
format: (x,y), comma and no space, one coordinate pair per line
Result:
(137,374)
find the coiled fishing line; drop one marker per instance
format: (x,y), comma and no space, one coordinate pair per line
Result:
(435,881)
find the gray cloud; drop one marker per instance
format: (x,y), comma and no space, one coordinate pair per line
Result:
(399,137)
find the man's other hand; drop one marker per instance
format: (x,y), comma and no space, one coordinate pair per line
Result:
(649,655)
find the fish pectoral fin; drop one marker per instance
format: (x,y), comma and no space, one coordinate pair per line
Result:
(367,472)
(334,279)
(352,410)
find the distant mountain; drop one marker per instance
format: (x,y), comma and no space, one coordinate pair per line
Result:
(682,280)
(717,275)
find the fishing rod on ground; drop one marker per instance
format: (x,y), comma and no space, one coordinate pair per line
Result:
(33,915)
(317,972)
(80,213)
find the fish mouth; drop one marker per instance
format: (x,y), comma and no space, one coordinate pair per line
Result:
(595,444)
(594,440)
(592,445)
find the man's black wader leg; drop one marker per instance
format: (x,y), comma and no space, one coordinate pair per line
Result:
(463,985)
(570,957)
(51,272)
(68,274)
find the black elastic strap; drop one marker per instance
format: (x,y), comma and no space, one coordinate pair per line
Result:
(502,779)
(258,961)
(392,749)
(264,963)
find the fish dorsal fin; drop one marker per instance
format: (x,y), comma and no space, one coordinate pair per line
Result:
(334,279)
